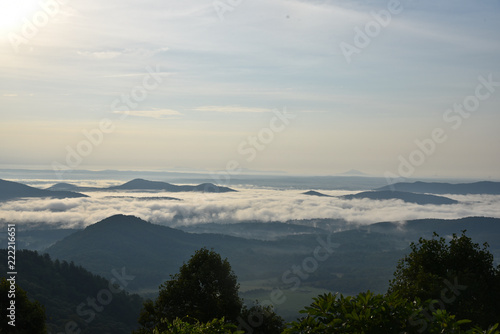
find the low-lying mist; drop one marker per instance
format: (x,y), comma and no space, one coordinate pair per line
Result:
(245,205)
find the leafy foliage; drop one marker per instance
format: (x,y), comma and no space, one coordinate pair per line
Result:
(179,326)
(376,314)
(364,313)
(458,282)
(29,316)
(260,319)
(204,289)
(459,275)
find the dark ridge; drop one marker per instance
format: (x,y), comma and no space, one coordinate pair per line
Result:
(408,197)
(315,193)
(141,184)
(12,190)
(483,187)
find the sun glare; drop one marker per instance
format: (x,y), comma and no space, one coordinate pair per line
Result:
(13,13)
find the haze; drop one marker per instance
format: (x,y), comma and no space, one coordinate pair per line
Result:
(270,86)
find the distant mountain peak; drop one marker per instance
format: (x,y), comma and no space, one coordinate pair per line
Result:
(354,172)
(141,184)
(122,218)
(421,199)
(315,193)
(12,190)
(144,183)
(63,187)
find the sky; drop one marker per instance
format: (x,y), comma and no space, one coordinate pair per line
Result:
(391,88)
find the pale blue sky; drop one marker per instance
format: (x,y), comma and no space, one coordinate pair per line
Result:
(221,79)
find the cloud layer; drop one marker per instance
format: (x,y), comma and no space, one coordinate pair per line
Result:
(247,204)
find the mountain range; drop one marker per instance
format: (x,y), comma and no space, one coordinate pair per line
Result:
(354,257)
(421,199)
(13,190)
(153,252)
(483,187)
(10,190)
(145,185)
(408,197)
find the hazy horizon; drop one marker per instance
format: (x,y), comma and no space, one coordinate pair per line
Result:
(391,88)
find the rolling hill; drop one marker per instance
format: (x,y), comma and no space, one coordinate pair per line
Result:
(146,185)
(67,291)
(360,257)
(421,199)
(12,190)
(151,252)
(315,193)
(483,187)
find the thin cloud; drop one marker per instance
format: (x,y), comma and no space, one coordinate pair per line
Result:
(155,113)
(101,54)
(111,54)
(233,109)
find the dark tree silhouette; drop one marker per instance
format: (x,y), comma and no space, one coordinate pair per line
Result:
(29,316)
(377,314)
(459,276)
(260,319)
(204,289)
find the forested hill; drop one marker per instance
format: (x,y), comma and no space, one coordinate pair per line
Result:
(75,298)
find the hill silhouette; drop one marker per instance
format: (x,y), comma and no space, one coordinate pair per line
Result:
(421,199)
(315,193)
(151,252)
(65,290)
(146,185)
(71,187)
(483,187)
(474,225)
(358,257)
(354,172)
(141,184)
(12,190)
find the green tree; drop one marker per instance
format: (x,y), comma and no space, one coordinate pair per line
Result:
(368,313)
(179,326)
(29,316)
(260,319)
(460,277)
(205,288)
(364,313)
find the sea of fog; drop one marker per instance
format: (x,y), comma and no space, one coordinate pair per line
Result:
(277,200)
